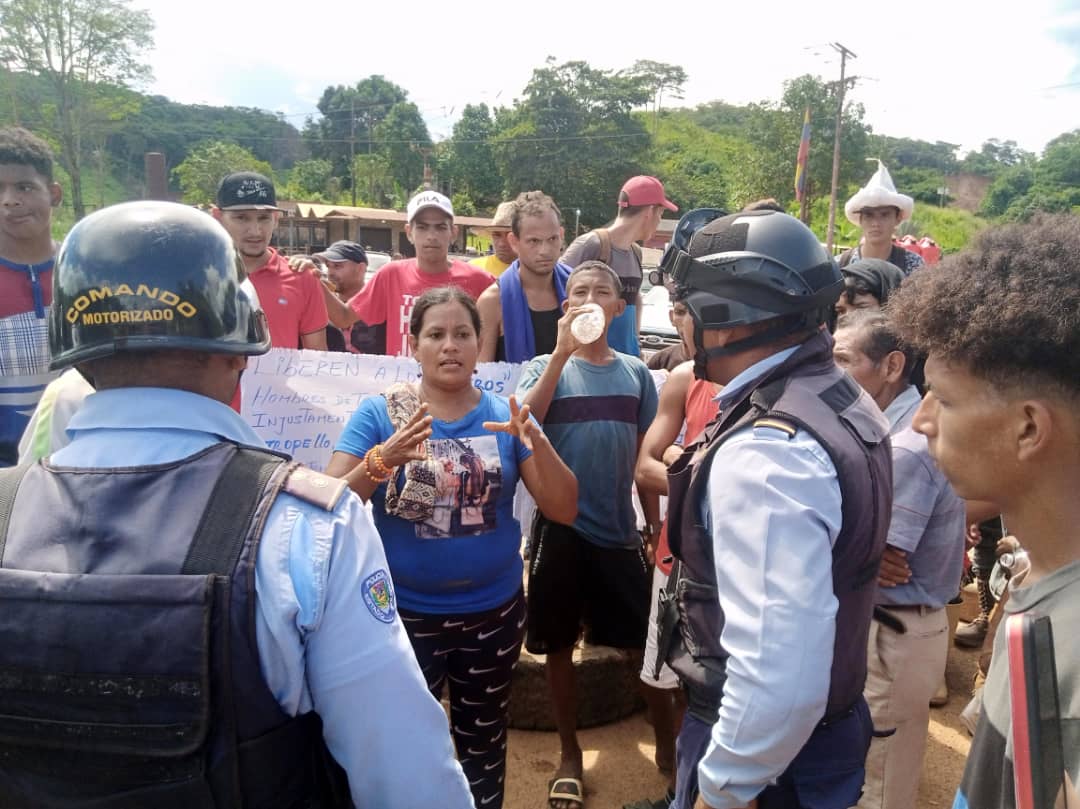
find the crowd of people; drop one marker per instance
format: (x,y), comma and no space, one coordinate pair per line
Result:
(192,619)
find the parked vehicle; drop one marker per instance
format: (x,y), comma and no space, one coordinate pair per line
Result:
(656,330)
(376,260)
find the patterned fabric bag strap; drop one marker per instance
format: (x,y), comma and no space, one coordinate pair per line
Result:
(402,401)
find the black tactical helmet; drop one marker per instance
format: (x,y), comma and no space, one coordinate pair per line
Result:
(750,267)
(143,276)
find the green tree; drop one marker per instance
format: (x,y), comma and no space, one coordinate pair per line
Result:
(1060,164)
(313,180)
(350,116)
(1010,185)
(718,116)
(1051,183)
(375,184)
(658,77)
(75,45)
(775,129)
(402,138)
(994,157)
(469,162)
(573,135)
(902,153)
(697,165)
(200,174)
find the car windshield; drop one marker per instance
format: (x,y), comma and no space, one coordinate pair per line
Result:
(376,260)
(654,311)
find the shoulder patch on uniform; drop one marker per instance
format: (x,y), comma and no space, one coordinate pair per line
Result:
(783,426)
(314,487)
(379,596)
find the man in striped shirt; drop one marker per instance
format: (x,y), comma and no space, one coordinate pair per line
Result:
(27,196)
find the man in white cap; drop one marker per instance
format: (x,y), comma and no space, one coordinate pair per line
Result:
(388,297)
(499,233)
(877,208)
(642,203)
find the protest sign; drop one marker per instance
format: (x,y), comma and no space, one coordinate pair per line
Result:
(300,401)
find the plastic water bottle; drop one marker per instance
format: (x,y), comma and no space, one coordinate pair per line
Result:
(589,324)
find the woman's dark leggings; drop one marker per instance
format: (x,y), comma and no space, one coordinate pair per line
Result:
(476,652)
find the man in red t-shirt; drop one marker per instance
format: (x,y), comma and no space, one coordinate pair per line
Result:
(293,302)
(388,297)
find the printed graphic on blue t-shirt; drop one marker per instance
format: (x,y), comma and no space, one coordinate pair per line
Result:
(467,487)
(466,557)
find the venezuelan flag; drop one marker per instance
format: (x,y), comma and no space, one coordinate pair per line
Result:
(804,155)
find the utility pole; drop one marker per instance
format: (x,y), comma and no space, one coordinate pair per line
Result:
(352,147)
(830,237)
(426,152)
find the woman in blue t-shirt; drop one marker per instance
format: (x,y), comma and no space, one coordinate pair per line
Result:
(439,460)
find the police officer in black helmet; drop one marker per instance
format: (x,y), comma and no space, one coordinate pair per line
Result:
(181,606)
(784,504)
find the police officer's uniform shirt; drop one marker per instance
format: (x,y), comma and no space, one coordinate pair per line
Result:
(774,513)
(325,643)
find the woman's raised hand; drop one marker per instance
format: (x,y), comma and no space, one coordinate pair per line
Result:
(407,444)
(520,425)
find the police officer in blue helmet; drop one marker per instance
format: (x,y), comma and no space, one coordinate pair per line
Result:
(784,504)
(190,619)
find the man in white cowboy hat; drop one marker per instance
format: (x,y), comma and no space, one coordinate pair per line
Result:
(877,208)
(499,233)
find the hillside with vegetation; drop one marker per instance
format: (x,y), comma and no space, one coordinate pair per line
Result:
(574,131)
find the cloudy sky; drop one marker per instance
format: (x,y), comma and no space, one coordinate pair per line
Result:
(950,70)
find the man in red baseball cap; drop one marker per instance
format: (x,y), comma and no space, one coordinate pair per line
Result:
(642,203)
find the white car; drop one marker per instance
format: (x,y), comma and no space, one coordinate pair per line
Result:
(376,260)
(656,330)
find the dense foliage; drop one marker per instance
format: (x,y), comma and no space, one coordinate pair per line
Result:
(576,132)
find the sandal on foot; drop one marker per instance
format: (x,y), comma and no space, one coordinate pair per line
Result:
(566,789)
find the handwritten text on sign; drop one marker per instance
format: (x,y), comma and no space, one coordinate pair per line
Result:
(300,401)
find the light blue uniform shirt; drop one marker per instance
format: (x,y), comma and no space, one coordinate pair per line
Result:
(774,513)
(320,646)
(927,515)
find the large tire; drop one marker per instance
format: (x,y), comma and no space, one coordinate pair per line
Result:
(607,682)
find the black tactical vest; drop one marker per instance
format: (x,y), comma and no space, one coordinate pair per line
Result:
(808,392)
(129,673)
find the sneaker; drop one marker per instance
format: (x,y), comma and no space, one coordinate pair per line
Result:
(972,635)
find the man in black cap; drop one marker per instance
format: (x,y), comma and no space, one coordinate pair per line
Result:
(346,268)
(293,302)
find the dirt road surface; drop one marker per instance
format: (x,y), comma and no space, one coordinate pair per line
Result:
(619,757)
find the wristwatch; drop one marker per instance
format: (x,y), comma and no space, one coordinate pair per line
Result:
(649,529)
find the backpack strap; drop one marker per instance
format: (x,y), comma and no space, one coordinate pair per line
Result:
(605,245)
(605,248)
(10,479)
(231,510)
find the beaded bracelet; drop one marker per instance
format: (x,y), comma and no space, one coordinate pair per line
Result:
(367,469)
(380,467)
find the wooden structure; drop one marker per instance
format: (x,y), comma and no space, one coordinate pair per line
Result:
(308,227)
